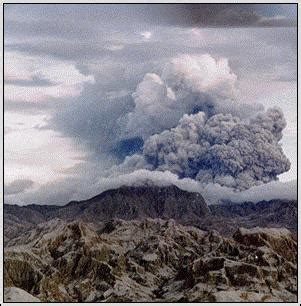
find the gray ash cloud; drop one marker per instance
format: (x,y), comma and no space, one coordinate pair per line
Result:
(194,126)
(222,149)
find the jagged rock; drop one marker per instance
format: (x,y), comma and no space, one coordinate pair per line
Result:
(280,240)
(19,273)
(151,260)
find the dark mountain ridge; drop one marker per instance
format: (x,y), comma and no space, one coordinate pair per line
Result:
(141,202)
(125,203)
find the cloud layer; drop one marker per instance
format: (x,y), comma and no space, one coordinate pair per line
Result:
(213,193)
(61,192)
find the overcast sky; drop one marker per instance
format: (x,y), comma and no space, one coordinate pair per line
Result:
(71,70)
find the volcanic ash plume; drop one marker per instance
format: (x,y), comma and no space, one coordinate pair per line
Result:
(193,125)
(222,149)
(188,84)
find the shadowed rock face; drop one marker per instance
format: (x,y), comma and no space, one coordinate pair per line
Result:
(151,260)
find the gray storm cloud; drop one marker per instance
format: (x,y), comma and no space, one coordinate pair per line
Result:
(222,149)
(224,15)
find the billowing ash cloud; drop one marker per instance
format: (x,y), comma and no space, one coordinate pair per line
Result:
(188,84)
(194,127)
(272,120)
(222,149)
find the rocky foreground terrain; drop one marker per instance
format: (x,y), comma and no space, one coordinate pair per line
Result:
(159,244)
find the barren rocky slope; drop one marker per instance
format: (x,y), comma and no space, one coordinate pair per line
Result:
(151,260)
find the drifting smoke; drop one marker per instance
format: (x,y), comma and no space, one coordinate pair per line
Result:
(188,84)
(222,149)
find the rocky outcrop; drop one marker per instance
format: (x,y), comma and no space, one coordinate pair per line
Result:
(151,260)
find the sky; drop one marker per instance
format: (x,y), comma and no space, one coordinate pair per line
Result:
(87,87)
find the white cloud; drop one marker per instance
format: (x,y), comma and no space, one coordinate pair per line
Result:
(67,80)
(63,191)
(41,155)
(146,35)
(215,193)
